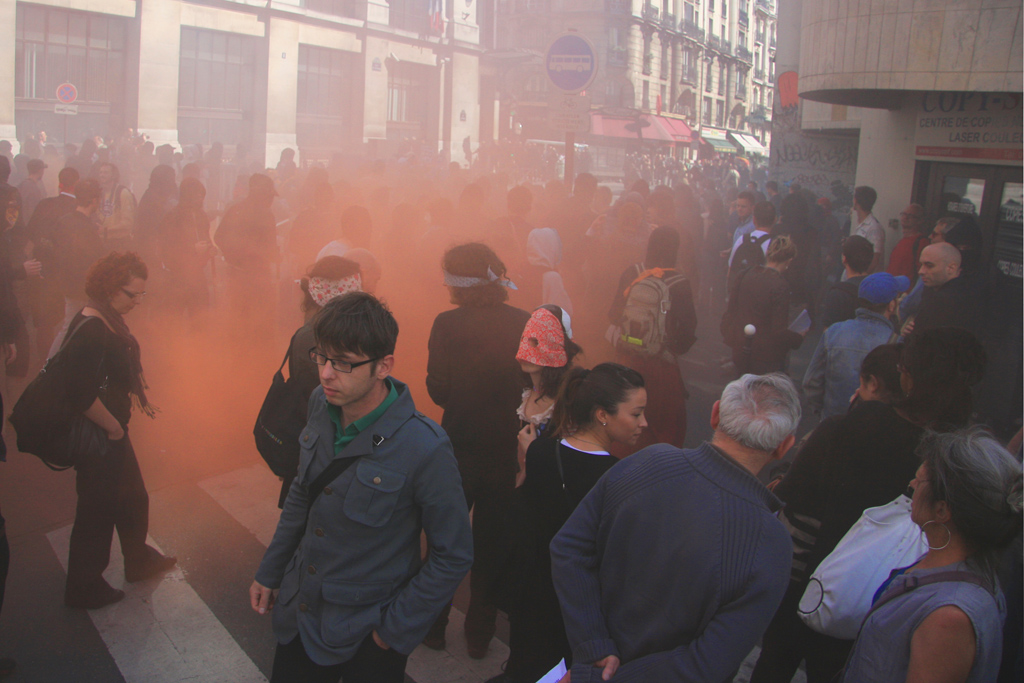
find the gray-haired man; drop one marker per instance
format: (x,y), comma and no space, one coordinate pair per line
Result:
(674,564)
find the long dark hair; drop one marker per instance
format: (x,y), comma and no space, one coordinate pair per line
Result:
(944,363)
(584,391)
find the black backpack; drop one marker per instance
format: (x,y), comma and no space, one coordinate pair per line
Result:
(750,253)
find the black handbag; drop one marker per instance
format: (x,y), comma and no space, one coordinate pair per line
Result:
(281,420)
(45,423)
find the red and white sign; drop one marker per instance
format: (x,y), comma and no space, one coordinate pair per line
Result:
(970,126)
(67,93)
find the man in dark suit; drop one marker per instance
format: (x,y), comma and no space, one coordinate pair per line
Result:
(45,299)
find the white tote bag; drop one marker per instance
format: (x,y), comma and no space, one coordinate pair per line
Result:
(839,594)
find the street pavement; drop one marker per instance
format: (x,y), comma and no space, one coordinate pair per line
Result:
(213,506)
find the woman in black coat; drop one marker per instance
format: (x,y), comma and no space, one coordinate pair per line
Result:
(472,373)
(104,382)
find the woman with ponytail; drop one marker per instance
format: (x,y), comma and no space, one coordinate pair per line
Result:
(594,409)
(941,618)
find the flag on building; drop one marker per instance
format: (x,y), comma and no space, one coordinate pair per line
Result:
(436,11)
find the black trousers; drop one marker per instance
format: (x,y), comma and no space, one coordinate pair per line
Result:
(369,665)
(789,640)
(5,559)
(489,496)
(111,494)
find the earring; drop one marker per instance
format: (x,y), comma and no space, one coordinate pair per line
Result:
(949,535)
(604,424)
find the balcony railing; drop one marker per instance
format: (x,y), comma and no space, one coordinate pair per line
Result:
(668,20)
(758,74)
(618,56)
(650,12)
(618,6)
(720,44)
(692,30)
(741,93)
(743,53)
(744,18)
(765,5)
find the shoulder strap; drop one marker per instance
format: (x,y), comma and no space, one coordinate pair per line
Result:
(558,461)
(76,328)
(911,582)
(330,473)
(761,240)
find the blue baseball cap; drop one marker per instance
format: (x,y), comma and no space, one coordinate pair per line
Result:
(881,288)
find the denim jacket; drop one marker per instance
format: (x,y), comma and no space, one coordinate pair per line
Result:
(834,372)
(356,566)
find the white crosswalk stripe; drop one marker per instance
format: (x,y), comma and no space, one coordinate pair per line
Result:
(163,632)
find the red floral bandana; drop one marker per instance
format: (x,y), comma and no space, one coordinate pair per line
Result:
(543,342)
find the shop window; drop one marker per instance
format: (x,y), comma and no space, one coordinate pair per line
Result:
(962,196)
(1010,234)
(54,46)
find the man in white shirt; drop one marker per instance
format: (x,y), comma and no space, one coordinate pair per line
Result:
(868,227)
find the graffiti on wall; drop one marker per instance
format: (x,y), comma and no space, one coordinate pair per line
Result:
(825,164)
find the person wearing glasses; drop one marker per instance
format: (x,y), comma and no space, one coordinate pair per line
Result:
(855,461)
(350,593)
(105,381)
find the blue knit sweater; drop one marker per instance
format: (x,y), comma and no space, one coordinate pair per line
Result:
(675,563)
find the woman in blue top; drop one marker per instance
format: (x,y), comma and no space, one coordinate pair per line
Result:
(941,618)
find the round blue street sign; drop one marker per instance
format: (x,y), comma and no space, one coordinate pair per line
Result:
(571,62)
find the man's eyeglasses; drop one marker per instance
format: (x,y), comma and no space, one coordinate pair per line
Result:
(336,365)
(137,296)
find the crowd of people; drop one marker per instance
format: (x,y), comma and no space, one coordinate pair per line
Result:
(552,344)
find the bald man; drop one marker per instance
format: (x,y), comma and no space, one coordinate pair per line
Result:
(945,301)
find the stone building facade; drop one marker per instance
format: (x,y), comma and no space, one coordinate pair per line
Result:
(316,75)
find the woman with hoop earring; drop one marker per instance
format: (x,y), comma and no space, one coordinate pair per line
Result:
(941,618)
(855,461)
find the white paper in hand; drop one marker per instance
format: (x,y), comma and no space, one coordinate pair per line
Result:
(802,323)
(555,675)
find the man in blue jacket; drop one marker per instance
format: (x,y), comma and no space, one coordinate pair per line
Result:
(834,371)
(352,596)
(674,564)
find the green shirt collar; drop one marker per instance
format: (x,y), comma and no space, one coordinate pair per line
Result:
(344,436)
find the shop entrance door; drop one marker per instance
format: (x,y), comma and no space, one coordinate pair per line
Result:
(994,196)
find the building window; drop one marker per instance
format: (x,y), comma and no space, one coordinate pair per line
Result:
(666,59)
(705,113)
(688,12)
(725,8)
(646,95)
(719,113)
(324,106)
(339,8)
(707,78)
(723,78)
(54,46)
(711,5)
(407,95)
(664,96)
(409,15)
(216,73)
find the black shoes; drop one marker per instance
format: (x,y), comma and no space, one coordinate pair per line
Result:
(153,564)
(93,597)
